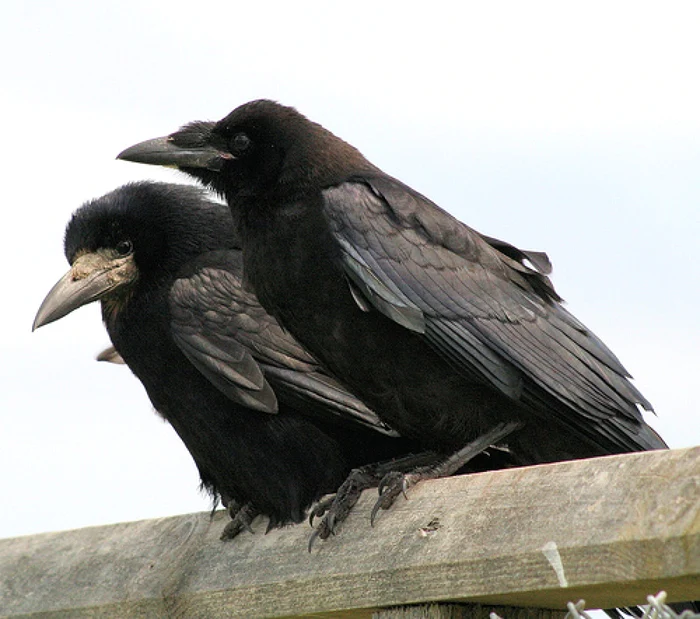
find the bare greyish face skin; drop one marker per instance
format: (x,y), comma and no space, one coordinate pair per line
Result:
(103,275)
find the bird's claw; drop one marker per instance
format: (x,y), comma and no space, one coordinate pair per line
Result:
(324,530)
(321,508)
(336,508)
(390,480)
(241,520)
(391,485)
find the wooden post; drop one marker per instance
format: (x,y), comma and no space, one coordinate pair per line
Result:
(610,530)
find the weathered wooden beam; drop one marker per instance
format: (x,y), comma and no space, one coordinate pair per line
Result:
(465,611)
(610,530)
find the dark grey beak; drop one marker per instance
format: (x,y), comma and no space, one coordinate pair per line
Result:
(90,278)
(164,152)
(110,355)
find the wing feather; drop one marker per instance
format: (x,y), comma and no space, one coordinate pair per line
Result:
(486,306)
(242,350)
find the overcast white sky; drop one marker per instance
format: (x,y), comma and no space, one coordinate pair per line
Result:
(570,128)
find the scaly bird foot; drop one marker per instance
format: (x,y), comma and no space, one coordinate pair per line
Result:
(241,519)
(334,509)
(395,482)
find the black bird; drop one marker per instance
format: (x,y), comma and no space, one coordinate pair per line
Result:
(268,430)
(451,336)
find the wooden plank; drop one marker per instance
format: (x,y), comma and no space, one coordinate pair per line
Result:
(610,530)
(465,611)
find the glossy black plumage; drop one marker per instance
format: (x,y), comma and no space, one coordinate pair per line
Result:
(443,331)
(265,426)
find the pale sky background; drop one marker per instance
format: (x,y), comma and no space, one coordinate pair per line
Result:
(572,128)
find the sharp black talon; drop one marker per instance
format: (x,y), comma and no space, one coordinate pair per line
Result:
(373,514)
(404,486)
(321,508)
(314,536)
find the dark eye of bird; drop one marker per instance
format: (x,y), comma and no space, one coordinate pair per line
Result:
(124,248)
(240,143)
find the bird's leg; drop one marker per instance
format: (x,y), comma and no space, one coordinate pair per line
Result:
(241,518)
(335,508)
(397,482)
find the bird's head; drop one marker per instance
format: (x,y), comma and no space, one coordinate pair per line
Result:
(133,236)
(259,148)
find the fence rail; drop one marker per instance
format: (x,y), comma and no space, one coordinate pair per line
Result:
(610,530)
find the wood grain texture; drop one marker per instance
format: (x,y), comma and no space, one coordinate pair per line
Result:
(609,530)
(465,611)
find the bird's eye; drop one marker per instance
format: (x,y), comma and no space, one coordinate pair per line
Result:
(124,248)
(240,143)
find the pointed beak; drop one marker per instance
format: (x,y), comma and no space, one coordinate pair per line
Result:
(165,152)
(110,355)
(91,277)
